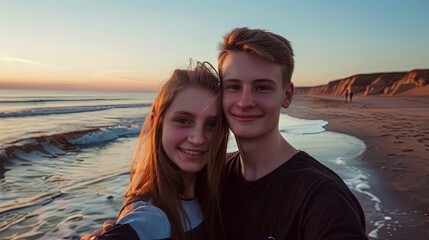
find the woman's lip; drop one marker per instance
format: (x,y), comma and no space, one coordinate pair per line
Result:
(192,152)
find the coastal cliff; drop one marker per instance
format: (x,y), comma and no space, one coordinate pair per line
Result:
(389,83)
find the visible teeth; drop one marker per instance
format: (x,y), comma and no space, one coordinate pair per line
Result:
(190,152)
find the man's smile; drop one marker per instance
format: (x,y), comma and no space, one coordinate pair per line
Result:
(245,117)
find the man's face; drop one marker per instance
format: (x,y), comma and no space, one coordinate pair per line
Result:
(253,94)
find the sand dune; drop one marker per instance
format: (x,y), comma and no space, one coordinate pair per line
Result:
(388,83)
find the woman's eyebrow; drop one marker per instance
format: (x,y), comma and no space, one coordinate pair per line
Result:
(181,112)
(185,113)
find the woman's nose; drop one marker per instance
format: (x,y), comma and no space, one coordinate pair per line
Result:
(196,136)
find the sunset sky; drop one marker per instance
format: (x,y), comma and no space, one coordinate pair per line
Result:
(135,45)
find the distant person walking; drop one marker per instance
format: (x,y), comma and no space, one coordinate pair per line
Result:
(351,96)
(346,95)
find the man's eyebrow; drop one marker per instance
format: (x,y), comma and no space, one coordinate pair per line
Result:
(262,80)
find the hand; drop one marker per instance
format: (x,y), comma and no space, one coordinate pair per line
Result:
(107,225)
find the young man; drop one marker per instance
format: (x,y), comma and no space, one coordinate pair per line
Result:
(272,190)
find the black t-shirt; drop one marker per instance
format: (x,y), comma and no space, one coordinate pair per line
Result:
(301,199)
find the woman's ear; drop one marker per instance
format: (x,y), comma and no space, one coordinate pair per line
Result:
(152,116)
(288,95)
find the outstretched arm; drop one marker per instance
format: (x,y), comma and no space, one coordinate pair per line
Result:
(107,225)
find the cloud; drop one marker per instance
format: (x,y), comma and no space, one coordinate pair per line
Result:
(117,75)
(8,58)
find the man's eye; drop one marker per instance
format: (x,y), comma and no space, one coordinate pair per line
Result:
(263,88)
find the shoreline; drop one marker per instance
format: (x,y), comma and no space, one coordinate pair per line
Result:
(396,134)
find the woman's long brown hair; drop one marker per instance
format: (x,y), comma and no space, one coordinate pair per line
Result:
(155,177)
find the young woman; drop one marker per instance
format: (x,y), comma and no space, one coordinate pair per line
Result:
(178,163)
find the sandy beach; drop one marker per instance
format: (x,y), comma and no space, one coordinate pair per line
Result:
(395,130)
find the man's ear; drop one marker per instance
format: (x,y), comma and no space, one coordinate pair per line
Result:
(288,95)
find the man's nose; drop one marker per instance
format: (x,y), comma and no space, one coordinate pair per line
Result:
(246,99)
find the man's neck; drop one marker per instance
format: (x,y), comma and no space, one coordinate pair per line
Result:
(261,156)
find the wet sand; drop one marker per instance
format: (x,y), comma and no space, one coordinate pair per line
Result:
(395,130)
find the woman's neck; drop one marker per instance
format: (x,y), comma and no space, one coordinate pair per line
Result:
(189,180)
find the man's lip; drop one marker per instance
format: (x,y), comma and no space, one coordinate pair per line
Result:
(244,117)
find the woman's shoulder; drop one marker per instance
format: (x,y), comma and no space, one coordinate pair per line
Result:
(142,207)
(149,221)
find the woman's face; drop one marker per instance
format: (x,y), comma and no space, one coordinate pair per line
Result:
(188,128)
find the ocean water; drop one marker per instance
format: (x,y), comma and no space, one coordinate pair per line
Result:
(65,157)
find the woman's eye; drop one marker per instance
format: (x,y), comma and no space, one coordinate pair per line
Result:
(182,121)
(231,87)
(212,124)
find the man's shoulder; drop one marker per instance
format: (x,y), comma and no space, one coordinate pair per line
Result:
(304,162)
(303,169)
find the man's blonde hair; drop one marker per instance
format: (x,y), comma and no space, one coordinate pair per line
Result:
(261,43)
